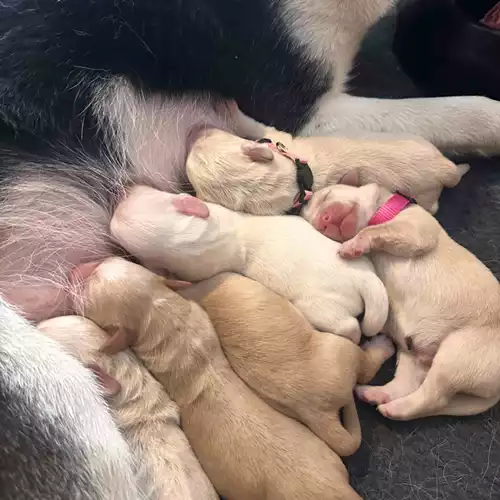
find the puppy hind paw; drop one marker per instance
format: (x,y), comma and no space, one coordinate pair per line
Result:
(373,395)
(395,410)
(380,342)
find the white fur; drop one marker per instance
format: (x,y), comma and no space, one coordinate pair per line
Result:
(454,124)
(282,252)
(147,417)
(331,32)
(60,393)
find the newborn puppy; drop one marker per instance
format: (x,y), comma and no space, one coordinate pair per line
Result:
(196,241)
(248,450)
(257,178)
(444,305)
(308,375)
(146,415)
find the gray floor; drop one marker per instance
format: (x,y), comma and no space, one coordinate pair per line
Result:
(436,458)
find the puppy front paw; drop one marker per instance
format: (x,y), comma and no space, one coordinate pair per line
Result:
(355,247)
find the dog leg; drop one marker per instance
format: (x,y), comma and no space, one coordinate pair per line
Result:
(453,124)
(375,353)
(462,380)
(407,236)
(57,436)
(407,379)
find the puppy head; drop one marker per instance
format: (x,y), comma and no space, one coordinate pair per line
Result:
(241,175)
(115,292)
(82,338)
(341,211)
(178,233)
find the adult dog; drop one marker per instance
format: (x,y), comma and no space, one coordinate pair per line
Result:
(96,94)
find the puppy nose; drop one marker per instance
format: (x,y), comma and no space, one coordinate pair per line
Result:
(83,271)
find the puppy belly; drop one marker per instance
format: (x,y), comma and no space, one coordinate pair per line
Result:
(47,226)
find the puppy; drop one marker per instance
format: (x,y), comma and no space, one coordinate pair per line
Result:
(248,450)
(308,375)
(146,415)
(444,304)
(196,241)
(262,178)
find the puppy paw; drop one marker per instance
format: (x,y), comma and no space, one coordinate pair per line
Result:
(395,410)
(355,248)
(372,394)
(381,342)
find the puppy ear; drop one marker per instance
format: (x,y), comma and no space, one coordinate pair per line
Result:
(189,205)
(258,153)
(110,386)
(351,178)
(121,339)
(176,284)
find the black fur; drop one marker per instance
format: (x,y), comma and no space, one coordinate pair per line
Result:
(54,53)
(38,461)
(443,48)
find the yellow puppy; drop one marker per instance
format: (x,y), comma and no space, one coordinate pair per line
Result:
(444,303)
(306,374)
(259,179)
(148,418)
(248,450)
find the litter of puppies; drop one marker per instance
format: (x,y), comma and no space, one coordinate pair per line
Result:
(258,348)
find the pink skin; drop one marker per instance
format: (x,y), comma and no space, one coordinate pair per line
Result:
(82,272)
(50,223)
(338,221)
(190,205)
(356,247)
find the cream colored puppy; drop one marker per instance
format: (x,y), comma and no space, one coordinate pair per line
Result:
(248,450)
(148,418)
(283,253)
(444,304)
(308,375)
(257,178)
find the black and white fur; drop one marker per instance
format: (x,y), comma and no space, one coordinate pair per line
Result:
(96,94)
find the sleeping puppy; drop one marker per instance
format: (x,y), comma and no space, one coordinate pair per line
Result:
(196,241)
(308,375)
(144,412)
(444,303)
(262,178)
(248,450)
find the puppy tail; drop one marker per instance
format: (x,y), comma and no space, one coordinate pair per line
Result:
(343,437)
(376,306)
(352,426)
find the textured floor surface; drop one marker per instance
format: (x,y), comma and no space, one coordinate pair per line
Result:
(435,458)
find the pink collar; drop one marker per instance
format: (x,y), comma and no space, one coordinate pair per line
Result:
(392,207)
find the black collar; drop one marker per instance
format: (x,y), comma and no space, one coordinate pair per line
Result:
(305,178)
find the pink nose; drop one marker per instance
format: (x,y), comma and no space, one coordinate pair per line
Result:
(83,271)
